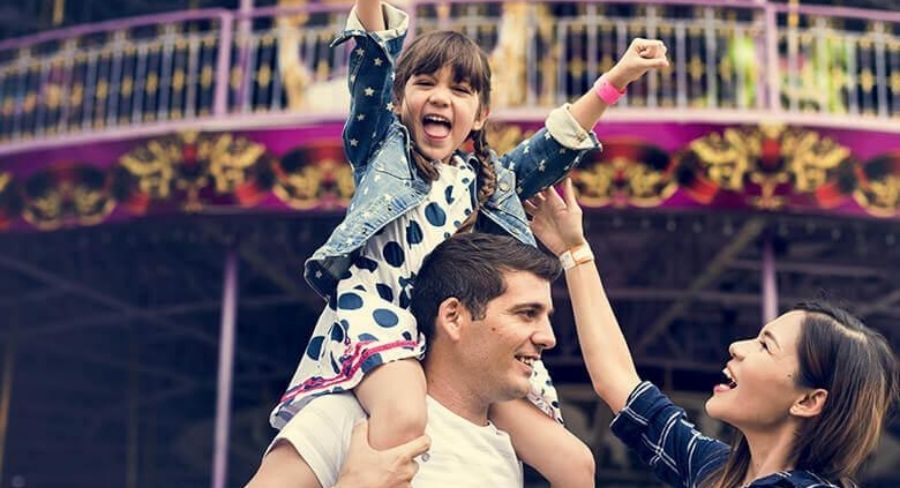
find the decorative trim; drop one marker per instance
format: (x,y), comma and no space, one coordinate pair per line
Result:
(765,168)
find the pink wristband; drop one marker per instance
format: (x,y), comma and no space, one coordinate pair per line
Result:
(606,91)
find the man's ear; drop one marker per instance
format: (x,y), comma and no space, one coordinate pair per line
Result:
(481,118)
(451,317)
(810,404)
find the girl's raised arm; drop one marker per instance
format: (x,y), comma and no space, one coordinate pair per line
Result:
(558,225)
(370,14)
(378,31)
(641,56)
(568,136)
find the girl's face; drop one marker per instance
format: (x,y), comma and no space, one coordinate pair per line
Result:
(440,112)
(763,378)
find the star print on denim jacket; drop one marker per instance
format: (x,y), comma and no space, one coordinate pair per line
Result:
(378,147)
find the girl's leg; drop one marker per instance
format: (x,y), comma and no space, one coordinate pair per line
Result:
(393,394)
(545,445)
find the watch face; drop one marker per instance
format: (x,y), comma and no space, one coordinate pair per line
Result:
(582,255)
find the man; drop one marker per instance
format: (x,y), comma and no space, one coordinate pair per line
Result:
(483,301)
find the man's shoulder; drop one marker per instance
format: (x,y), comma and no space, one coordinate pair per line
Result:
(335,406)
(320,433)
(335,413)
(466,454)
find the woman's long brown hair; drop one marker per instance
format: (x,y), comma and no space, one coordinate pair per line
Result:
(857,368)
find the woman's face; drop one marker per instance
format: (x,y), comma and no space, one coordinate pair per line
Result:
(763,373)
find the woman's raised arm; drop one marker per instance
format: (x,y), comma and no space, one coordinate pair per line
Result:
(558,225)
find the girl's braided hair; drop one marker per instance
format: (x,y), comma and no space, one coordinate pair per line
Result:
(428,54)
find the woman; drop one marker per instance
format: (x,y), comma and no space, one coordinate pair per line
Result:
(808,395)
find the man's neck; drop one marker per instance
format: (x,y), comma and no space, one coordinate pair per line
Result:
(455,395)
(769,452)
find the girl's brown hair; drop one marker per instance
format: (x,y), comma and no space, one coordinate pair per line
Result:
(428,54)
(857,368)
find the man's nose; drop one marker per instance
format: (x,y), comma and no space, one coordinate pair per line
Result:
(544,336)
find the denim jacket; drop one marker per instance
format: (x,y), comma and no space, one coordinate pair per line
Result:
(378,147)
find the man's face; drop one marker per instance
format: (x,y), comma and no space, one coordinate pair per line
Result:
(500,347)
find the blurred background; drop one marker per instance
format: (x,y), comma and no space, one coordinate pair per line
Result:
(166,167)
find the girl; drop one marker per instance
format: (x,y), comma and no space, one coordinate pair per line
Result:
(808,395)
(409,117)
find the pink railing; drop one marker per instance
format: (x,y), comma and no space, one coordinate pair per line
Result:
(731,60)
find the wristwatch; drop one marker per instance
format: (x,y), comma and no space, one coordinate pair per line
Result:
(577,255)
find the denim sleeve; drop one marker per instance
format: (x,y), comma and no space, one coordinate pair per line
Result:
(370,79)
(542,160)
(659,432)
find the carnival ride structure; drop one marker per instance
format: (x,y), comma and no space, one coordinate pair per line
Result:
(163,178)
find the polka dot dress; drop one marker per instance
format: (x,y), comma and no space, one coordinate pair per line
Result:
(369,323)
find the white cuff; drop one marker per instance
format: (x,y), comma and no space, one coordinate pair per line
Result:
(396,22)
(567,131)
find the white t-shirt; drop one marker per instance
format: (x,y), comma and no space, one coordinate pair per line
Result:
(462,454)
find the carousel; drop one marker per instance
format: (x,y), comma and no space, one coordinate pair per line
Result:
(163,179)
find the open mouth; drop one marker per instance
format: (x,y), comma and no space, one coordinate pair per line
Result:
(436,126)
(728,382)
(526,360)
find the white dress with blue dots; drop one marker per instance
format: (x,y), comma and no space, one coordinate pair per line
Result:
(369,323)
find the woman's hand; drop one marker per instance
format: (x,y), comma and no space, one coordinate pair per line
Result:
(365,467)
(557,221)
(641,56)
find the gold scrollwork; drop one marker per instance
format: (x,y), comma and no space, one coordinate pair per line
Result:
(317,180)
(624,180)
(813,158)
(190,162)
(726,156)
(881,198)
(67,193)
(879,189)
(229,159)
(769,156)
(504,137)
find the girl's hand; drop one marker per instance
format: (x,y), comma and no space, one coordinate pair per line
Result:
(642,56)
(556,220)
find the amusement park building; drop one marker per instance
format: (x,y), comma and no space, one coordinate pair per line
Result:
(163,178)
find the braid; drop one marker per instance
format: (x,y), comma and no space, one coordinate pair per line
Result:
(427,170)
(487,177)
(487,174)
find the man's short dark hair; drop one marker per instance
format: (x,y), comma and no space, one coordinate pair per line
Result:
(470,267)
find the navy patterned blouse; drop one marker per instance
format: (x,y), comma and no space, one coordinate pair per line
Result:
(658,430)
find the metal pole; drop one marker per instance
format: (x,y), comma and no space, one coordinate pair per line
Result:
(226,370)
(244,90)
(773,73)
(59,12)
(9,362)
(223,64)
(132,450)
(769,283)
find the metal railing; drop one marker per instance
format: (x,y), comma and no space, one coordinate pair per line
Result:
(163,72)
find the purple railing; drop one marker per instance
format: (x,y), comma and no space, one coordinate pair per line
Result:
(731,61)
